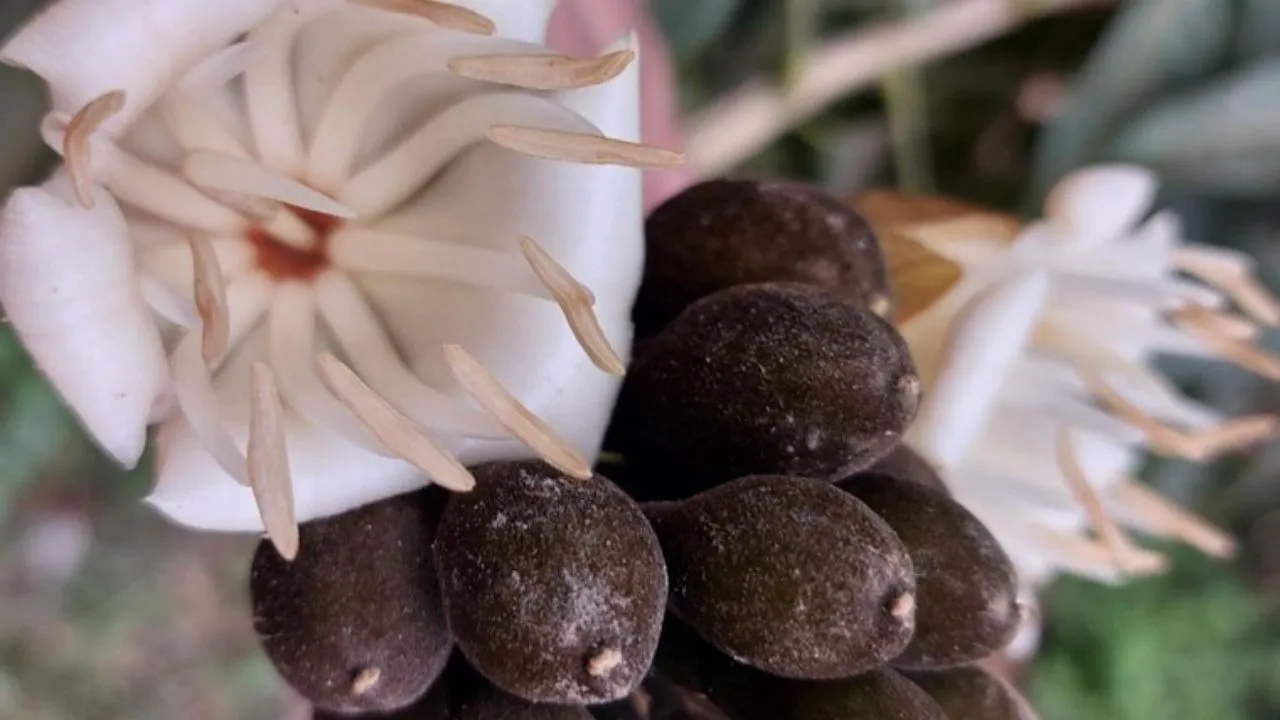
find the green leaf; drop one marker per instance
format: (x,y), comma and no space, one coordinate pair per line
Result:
(691,25)
(1152,47)
(1259,34)
(1223,138)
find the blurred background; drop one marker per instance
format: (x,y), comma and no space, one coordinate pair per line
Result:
(106,612)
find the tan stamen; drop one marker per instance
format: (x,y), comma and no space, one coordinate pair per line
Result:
(1198,446)
(1104,526)
(514,416)
(75,142)
(1209,330)
(269,462)
(1087,556)
(603,662)
(446,15)
(365,680)
(581,147)
(575,301)
(395,431)
(1236,281)
(1159,516)
(543,72)
(211,299)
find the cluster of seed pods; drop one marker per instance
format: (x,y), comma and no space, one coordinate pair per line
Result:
(756,542)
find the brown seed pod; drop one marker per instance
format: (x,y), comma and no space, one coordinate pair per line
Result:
(906,464)
(355,623)
(555,587)
(788,575)
(774,378)
(722,233)
(966,585)
(973,693)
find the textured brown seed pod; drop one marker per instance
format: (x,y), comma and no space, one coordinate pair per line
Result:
(966,586)
(554,587)
(773,378)
(788,575)
(722,233)
(355,623)
(973,693)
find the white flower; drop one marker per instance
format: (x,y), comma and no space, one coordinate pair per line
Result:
(419,188)
(1039,401)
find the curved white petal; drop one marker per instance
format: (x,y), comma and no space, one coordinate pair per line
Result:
(67,282)
(1098,203)
(522,20)
(986,339)
(87,48)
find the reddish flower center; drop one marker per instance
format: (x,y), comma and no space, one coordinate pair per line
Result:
(288,262)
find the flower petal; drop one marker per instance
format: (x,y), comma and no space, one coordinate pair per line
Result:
(525,20)
(1098,203)
(86,48)
(67,281)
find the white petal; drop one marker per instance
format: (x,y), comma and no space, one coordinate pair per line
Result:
(986,338)
(614,106)
(1099,203)
(67,281)
(86,48)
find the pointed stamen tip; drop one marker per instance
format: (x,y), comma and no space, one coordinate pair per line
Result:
(575,301)
(234,174)
(1156,514)
(75,142)
(519,420)
(543,72)
(269,476)
(584,148)
(445,14)
(396,432)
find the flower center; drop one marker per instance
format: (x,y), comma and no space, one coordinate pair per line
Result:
(289,261)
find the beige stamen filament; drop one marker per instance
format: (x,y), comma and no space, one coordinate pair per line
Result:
(514,416)
(543,72)
(1159,516)
(1236,282)
(269,462)
(1087,556)
(446,15)
(1198,446)
(75,142)
(1233,350)
(575,301)
(400,436)
(581,147)
(1122,549)
(211,299)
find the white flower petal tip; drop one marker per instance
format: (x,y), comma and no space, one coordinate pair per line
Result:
(75,142)
(575,302)
(543,72)
(582,148)
(269,475)
(447,15)
(395,431)
(68,286)
(1099,203)
(517,418)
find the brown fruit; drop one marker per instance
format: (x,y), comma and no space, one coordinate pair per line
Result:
(775,378)
(966,585)
(722,233)
(906,464)
(788,575)
(554,587)
(973,693)
(355,623)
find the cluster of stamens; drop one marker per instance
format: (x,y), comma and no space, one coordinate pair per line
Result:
(276,234)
